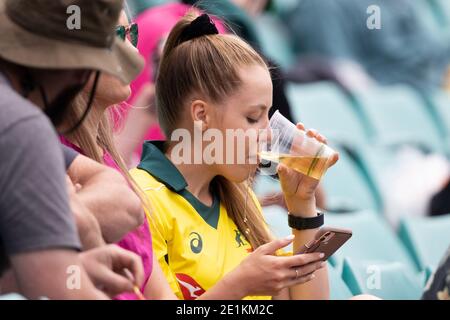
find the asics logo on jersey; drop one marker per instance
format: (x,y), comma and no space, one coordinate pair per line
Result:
(195,242)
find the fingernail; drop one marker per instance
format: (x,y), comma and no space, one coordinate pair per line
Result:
(290,237)
(322,255)
(313,276)
(323,264)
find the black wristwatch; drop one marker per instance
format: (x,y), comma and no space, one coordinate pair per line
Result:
(300,223)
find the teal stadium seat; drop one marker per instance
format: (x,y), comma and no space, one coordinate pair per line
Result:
(323,106)
(274,40)
(376,162)
(433,17)
(138,6)
(439,103)
(372,240)
(276,219)
(283,6)
(443,8)
(265,185)
(388,280)
(347,188)
(398,115)
(338,288)
(426,238)
(12,296)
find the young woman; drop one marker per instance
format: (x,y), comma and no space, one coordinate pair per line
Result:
(94,139)
(209,235)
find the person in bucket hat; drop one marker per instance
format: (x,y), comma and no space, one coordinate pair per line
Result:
(36,34)
(41,27)
(43,65)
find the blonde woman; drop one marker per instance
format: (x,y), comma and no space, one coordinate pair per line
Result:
(209,235)
(119,223)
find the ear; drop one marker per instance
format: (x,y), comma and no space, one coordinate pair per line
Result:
(200,111)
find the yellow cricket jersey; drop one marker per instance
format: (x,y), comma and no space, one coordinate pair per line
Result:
(195,245)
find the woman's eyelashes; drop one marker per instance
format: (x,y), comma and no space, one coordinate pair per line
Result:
(251,120)
(254,118)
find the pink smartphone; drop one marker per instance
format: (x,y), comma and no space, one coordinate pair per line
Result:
(327,240)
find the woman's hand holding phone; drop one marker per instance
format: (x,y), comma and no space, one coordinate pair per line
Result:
(264,273)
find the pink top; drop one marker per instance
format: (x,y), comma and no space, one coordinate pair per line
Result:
(154,24)
(138,241)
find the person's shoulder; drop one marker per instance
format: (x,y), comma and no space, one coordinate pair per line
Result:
(145,180)
(15,109)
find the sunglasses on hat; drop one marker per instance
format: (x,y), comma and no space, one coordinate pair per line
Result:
(131,32)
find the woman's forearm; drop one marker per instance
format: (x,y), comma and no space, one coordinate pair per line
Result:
(318,288)
(230,287)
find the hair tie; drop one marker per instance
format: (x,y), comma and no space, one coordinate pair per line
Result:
(201,26)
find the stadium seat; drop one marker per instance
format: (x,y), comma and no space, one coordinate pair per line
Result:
(432,16)
(323,106)
(283,6)
(375,163)
(390,281)
(338,288)
(398,115)
(276,219)
(274,40)
(439,103)
(12,296)
(426,238)
(264,185)
(138,6)
(347,188)
(372,240)
(443,8)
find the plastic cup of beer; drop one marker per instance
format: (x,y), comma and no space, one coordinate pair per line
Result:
(288,145)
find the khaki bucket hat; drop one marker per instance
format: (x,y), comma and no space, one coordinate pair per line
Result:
(37,33)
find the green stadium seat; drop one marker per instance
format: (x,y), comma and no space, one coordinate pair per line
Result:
(338,288)
(372,240)
(283,6)
(390,281)
(398,115)
(138,6)
(375,163)
(426,238)
(276,219)
(442,7)
(323,106)
(274,40)
(432,16)
(12,296)
(347,188)
(439,103)
(266,185)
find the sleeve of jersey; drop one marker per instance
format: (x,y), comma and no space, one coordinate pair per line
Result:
(161,229)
